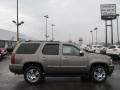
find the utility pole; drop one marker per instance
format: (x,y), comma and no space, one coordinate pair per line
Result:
(46,35)
(92,36)
(106,32)
(111,32)
(96,34)
(52,31)
(117,15)
(17,23)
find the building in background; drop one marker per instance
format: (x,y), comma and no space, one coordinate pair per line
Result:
(9,38)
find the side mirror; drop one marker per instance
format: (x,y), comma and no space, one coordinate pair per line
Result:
(81,53)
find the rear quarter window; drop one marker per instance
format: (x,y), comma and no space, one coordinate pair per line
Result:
(27,48)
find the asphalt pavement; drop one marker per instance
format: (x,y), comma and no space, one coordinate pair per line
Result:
(9,81)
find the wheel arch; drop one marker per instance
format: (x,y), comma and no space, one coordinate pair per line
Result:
(96,64)
(28,64)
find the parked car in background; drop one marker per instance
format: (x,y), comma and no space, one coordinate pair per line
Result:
(95,48)
(91,49)
(98,48)
(103,50)
(37,60)
(10,49)
(86,48)
(3,52)
(113,50)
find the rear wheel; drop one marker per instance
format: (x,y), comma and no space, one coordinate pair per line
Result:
(99,73)
(33,75)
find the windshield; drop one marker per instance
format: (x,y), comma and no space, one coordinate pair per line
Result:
(111,47)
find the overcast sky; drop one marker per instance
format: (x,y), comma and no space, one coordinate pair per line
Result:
(73,18)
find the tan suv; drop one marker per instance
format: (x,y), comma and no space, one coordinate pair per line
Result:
(39,59)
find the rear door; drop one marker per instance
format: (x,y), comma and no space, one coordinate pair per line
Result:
(51,58)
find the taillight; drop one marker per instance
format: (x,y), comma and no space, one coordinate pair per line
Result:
(12,58)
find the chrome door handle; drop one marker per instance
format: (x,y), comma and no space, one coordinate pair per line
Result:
(65,58)
(44,58)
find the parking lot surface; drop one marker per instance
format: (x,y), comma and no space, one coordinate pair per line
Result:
(9,81)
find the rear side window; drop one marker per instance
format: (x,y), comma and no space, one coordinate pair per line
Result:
(51,49)
(27,48)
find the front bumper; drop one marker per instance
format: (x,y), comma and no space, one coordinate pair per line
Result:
(111,68)
(16,68)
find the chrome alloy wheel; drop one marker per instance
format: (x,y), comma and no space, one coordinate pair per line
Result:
(33,75)
(99,74)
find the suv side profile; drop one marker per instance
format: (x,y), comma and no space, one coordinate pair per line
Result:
(39,59)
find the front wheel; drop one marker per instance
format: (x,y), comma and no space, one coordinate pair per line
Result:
(33,75)
(99,73)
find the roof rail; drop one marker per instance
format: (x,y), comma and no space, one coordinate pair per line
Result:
(40,41)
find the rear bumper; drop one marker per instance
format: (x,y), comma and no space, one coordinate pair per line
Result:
(16,68)
(111,68)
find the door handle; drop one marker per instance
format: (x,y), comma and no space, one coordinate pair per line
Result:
(65,58)
(44,58)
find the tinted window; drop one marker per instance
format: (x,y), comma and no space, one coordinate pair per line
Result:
(51,49)
(70,50)
(118,46)
(27,48)
(111,47)
(99,46)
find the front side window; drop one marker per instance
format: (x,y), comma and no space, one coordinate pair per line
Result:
(70,50)
(51,49)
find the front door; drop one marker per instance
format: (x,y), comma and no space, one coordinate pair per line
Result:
(71,61)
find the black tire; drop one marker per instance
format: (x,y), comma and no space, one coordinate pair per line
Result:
(99,73)
(35,77)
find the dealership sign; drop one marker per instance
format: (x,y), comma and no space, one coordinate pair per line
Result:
(108,11)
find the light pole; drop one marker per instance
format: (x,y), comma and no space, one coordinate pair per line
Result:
(92,36)
(52,31)
(17,23)
(46,35)
(96,34)
(117,15)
